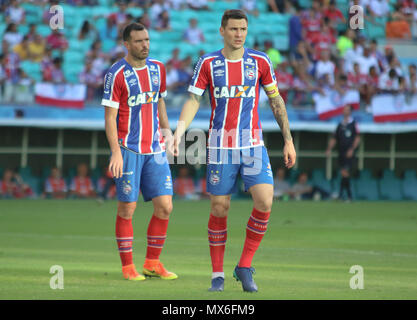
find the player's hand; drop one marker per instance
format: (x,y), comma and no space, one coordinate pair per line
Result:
(176,145)
(289,154)
(349,153)
(116,165)
(169,141)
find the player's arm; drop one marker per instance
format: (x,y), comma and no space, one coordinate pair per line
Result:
(163,120)
(330,146)
(116,159)
(187,115)
(280,113)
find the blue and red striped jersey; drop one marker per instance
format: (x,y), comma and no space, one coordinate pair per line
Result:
(234,90)
(135,92)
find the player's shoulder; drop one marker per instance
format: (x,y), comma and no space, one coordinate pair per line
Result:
(210,56)
(117,66)
(259,55)
(116,69)
(152,61)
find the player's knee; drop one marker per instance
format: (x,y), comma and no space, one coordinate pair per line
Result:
(264,205)
(126,209)
(220,209)
(163,211)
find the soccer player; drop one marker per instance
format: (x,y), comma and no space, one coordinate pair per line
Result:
(234,76)
(347,138)
(135,116)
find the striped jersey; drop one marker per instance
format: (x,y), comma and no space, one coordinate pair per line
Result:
(135,93)
(234,90)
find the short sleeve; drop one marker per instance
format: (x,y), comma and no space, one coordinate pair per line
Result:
(163,87)
(201,78)
(267,72)
(112,89)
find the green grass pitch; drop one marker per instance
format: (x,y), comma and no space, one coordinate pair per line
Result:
(306,253)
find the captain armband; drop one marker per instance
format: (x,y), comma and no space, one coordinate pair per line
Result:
(272,91)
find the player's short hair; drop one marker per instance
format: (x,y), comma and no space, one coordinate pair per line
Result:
(135,26)
(233,14)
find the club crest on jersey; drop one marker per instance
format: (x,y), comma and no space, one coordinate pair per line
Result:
(155,79)
(218,63)
(250,74)
(141,98)
(234,92)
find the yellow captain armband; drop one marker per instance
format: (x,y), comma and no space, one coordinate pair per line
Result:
(272,91)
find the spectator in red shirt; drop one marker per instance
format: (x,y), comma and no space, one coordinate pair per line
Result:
(284,80)
(56,40)
(373,78)
(323,40)
(357,79)
(175,61)
(334,15)
(91,80)
(184,184)
(311,25)
(55,185)
(53,72)
(13,186)
(82,185)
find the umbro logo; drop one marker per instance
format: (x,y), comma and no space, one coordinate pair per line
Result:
(218,63)
(127,73)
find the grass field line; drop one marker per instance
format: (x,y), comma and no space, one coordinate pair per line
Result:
(111,238)
(352,251)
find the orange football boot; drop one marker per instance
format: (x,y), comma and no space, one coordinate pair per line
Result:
(130,273)
(154,268)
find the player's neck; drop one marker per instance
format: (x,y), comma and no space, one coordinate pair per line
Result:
(135,63)
(233,54)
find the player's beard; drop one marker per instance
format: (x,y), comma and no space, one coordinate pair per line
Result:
(140,55)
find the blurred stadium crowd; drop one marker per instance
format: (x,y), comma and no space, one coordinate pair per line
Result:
(189,183)
(308,41)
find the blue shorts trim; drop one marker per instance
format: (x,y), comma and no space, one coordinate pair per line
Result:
(146,173)
(224,165)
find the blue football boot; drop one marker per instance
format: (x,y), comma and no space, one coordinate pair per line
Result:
(244,275)
(217,284)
